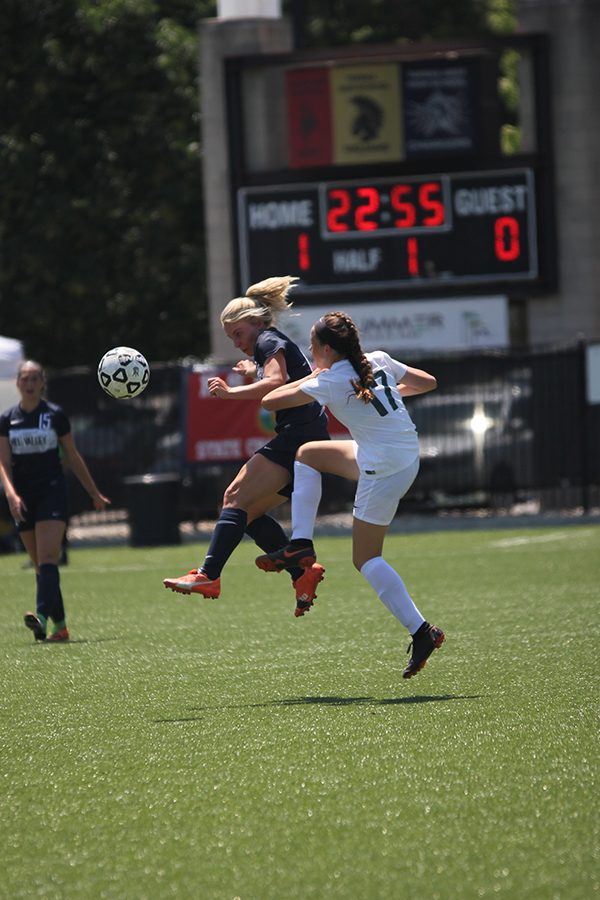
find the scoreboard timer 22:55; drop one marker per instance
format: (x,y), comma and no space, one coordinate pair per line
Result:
(439,230)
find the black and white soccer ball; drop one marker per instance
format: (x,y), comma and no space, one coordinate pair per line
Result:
(123,373)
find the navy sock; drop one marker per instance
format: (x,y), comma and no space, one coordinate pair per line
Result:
(268,534)
(227,534)
(49,599)
(59,615)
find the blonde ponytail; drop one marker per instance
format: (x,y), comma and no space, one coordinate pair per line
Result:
(265,301)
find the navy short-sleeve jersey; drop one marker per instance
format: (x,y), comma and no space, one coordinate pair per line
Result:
(268,343)
(33,438)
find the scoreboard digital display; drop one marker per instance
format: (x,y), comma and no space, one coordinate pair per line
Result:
(404,233)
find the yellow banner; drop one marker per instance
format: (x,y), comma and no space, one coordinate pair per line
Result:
(366,113)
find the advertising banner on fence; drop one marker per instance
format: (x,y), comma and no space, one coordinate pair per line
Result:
(222,430)
(420,326)
(218,431)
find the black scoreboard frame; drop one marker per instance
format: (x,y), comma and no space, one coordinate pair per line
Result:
(537,275)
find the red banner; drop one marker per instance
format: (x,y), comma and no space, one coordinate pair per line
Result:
(227,430)
(309,117)
(222,430)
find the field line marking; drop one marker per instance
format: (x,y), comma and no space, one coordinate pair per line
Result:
(533,539)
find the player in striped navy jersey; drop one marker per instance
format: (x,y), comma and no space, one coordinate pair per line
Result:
(34,436)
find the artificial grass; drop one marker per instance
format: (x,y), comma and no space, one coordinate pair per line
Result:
(182,747)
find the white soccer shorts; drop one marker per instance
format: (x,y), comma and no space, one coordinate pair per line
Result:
(376,499)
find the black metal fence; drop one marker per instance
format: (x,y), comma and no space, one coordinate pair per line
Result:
(502,427)
(508,426)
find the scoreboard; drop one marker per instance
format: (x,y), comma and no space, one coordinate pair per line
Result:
(439,230)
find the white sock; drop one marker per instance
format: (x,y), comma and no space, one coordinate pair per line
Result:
(306,497)
(392,592)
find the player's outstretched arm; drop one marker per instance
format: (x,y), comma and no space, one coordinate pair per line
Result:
(416,381)
(274,374)
(286,396)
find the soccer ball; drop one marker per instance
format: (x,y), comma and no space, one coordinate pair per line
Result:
(123,373)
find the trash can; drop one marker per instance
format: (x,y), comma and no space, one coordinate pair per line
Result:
(153,508)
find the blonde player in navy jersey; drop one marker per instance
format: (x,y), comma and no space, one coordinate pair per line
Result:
(33,434)
(364,392)
(264,481)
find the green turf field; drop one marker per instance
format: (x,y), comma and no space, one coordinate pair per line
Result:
(192,748)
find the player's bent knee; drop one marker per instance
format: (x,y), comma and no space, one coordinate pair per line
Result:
(308,455)
(231,497)
(301,454)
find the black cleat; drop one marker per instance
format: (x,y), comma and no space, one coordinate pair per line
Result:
(32,622)
(296,554)
(424,641)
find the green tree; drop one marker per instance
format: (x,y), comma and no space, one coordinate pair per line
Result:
(100,216)
(101,231)
(329,23)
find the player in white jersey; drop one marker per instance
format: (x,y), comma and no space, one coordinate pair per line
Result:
(364,392)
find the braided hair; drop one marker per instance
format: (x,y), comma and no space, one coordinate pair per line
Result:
(265,301)
(340,332)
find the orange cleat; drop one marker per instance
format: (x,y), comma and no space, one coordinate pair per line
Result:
(306,587)
(58,637)
(195,582)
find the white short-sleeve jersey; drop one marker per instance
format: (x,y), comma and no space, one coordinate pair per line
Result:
(384,433)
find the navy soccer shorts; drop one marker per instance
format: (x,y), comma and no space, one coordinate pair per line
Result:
(283,447)
(48,503)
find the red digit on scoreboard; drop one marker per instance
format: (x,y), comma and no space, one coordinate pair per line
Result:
(507,242)
(369,206)
(337,213)
(430,204)
(412,247)
(303,252)
(400,204)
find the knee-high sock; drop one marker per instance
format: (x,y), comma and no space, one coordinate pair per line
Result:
(49,601)
(306,497)
(59,615)
(268,534)
(227,534)
(392,592)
